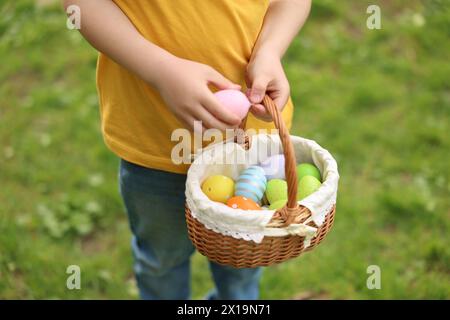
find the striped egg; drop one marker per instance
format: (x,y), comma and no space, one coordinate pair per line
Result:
(251,183)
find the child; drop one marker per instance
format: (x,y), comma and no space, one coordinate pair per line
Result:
(157,63)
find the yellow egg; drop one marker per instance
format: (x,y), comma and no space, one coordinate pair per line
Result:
(218,188)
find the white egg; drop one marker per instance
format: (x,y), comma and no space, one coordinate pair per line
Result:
(274,167)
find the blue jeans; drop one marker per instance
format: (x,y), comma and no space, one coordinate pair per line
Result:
(154,201)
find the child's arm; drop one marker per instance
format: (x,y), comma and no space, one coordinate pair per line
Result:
(183,84)
(265,73)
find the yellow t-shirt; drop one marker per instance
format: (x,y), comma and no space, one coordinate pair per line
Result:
(136,124)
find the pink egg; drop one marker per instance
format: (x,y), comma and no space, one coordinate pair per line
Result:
(235,101)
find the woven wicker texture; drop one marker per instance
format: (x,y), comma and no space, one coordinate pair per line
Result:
(241,253)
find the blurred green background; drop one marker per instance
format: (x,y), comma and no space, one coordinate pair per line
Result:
(379,100)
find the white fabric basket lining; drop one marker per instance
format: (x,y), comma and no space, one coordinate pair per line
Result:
(252,225)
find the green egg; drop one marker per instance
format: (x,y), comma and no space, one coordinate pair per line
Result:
(308,169)
(278,204)
(306,186)
(276,190)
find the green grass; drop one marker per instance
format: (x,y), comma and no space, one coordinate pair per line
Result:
(379,100)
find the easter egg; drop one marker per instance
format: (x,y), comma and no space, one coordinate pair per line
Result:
(235,101)
(278,204)
(306,186)
(218,188)
(274,167)
(276,190)
(307,169)
(242,203)
(251,183)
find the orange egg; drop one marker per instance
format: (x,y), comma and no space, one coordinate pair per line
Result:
(243,203)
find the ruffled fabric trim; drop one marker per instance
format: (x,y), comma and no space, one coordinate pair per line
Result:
(252,225)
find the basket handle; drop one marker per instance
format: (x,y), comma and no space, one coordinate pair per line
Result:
(290,166)
(292,209)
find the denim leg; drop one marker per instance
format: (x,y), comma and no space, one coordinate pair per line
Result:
(235,284)
(154,201)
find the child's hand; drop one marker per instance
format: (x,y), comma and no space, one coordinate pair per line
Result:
(265,75)
(183,84)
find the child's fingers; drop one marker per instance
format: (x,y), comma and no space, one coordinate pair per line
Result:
(281,96)
(220,82)
(281,102)
(208,119)
(258,89)
(259,111)
(213,105)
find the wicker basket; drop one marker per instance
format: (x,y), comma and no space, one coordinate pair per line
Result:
(242,253)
